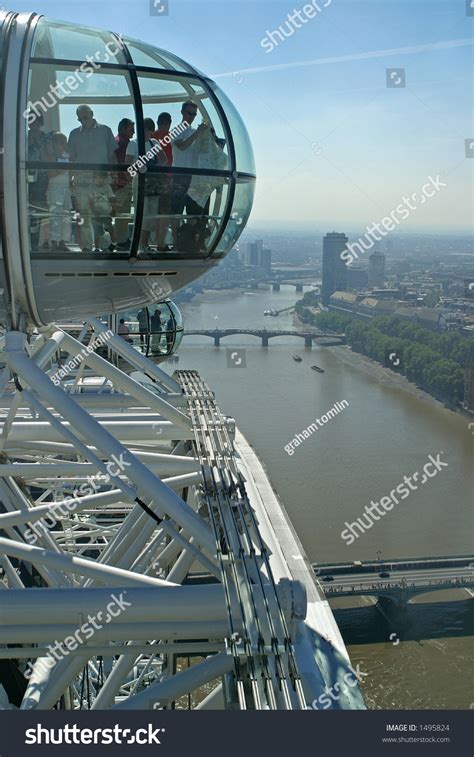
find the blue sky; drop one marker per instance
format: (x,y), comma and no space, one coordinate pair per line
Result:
(333,145)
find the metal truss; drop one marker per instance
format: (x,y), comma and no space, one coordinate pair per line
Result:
(129,544)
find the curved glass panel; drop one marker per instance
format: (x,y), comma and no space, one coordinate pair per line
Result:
(189,107)
(71,42)
(74,132)
(157,88)
(178,319)
(182,213)
(241,209)
(177,315)
(55,91)
(243,148)
(65,200)
(156,331)
(146,55)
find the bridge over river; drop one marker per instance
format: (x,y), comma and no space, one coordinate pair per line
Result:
(397,581)
(265,335)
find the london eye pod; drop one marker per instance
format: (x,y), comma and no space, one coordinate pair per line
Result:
(56,198)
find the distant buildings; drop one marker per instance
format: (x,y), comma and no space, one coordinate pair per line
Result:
(362,306)
(266,260)
(334,268)
(255,255)
(376,269)
(357,277)
(252,252)
(344,303)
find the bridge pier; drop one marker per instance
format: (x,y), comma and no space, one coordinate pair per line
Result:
(308,342)
(275,287)
(264,340)
(299,287)
(217,341)
(394,606)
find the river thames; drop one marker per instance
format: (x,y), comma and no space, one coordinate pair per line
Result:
(423,658)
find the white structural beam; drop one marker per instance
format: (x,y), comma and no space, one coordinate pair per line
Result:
(100,402)
(155,601)
(61,508)
(180,684)
(126,383)
(214,701)
(120,346)
(81,566)
(47,632)
(127,651)
(138,432)
(149,486)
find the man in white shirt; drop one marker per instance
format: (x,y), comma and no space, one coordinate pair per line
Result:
(91,143)
(185,146)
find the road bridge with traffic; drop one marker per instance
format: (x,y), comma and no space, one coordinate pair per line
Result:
(396,581)
(265,335)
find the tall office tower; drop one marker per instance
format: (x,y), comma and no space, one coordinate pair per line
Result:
(334,268)
(266,260)
(253,252)
(376,269)
(252,258)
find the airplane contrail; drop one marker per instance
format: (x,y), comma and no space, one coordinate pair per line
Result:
(429,47)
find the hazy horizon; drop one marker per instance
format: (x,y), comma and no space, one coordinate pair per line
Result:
(322,226)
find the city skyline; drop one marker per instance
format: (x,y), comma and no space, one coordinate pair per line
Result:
(337,142)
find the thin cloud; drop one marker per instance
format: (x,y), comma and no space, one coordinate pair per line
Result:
(431,46)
